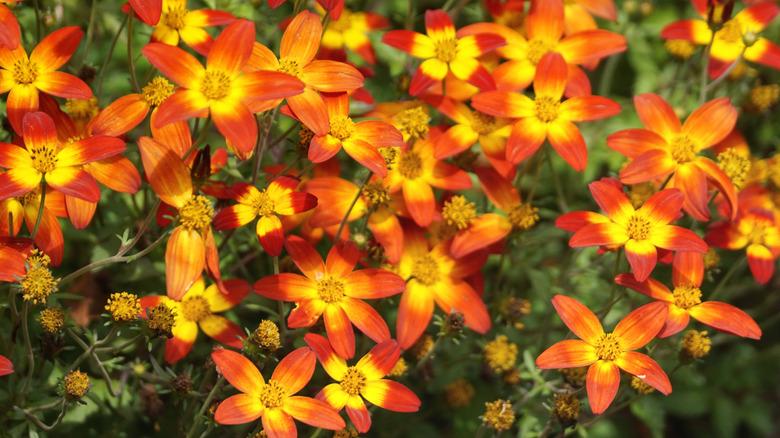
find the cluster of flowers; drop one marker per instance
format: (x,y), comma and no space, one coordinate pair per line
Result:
(510,86)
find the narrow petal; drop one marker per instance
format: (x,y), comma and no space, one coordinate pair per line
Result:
(56,48)
(726,318)
(761,262)
(590,46)
(342,259)
(570,353)
(270,234)
(551,76)
(692,181)
(578,318)
(305,257)
(612,200)
(18,182)
(378,362)
(233,217)
(676,321)
(646,369)
(286,287)
(413,43)
(642,257)
(90,149)
(650,287)
(167,173)
(239,409)
(313,412)
(74,182)
(367,155)
(649,166)
(414,314)
(471,71)
(372,284)
(238,371)
(586,108)
(182,105)
(664,206)
(278,424)
(185,258)
(332,76)
(634,142)
(333,364)
(233,46)
(599,234)
(334,395)
(63,84)
(340,332)
(22,99)
(117,173)
(567,140)
(306,313)
(482,232)
(711,122)
(366,319)
(310,109)
(80,212)
(175,63)
(602,384)
(295,370)
(504,104)
(721,181)
(419,200)
(223,330)
(687,268)
(391,395)
(238,125)
(641,326)
(527,136)
(657,115)
(430,72)
(301,39)
(676,238)
(149,11)
(358,414)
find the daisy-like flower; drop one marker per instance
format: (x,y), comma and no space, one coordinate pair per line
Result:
(443,52)
(198,308)
(10,34)
(23,78)
(273,400)
(667,147)
(334,291)
(684,301)
(280,198)
(362,381)
(545,116)
(6,367)
(222,90)
(350,31)
(605,354)
(640,231)
(179,23)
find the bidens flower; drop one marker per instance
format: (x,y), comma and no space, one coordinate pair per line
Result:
(179,23)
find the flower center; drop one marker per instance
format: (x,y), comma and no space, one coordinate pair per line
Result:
(446,49)
(483,123)
(735,166)
(547,108)
(262,203)
(156,91)
(330,289)
(344,23)
(426,270)
(215,85)
(523,216)
(196,213)
(410,165)
(536,49)
(39,282)
(341,127)
(272,394)
(174,18)
(413,123)
(686,297)
(376,194)
(289,66)
(195,308)
(757,234)
(353,381)
(44,157)
(24,71)
(638,227)
(731,32)
(81,109)
(608,347)
(683,149)
(459,212)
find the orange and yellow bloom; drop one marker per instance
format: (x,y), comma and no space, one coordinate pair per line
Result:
(177,23)
(350,31)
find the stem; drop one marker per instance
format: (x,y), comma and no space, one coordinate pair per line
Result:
(280,305)
(90,32)
(41,205)
(38,22)
(204,406)
(28,348)
(351,206)
(37,421)
(557,182)
(730,273)
(705,60)
(101,74)
(130,60)
(262,144)
(723,75)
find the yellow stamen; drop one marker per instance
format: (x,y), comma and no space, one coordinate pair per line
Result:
(376,194)
(124,306)
(731,32)
(290,66)
(499,415)
(353,381)
(446,49)
(483,123)
(523,216)
(174,17)
(266,335)
(566,407)
(341,127)
(52,320)
(735,165)
(686,297)
(547,108)
(459,212)
(81,109)
(638,227)
(196,213)
(413,123)
(272,394)
(157,90)
(262,203)
(426,270)
(696,344)
(608,347)
(76,384)
(537,49)
(195,308)
(459,393)
(215,84)
(682,49)
(44,157)
(683,149)
(24,71)
(500,354)
(330,289)
(161,319)
(39,282)
(410,165)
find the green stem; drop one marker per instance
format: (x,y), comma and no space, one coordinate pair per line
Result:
(38,22)
(40,424)
(90,32)
(724,75)
(562,204)
(204,406)
(28,349)
(730,273)
(262,145)
(104,66)
(705,60)
(280,306)
(130,59)
(41,206)
(351,206)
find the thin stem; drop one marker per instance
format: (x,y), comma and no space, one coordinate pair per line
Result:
(351,206)
(705,60)
(101,74)
(28,349)
(130,60)
(90,32)
(41,205)
(262,144)
(38,22)
(40,424)
(723,75)
(557,182)
(204,406)
(280,305)
(723,281)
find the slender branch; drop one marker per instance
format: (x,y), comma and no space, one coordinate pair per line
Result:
(351,206)
(41,206)
(130,60)
(711,86)
(28,349)
(723,281)
(40,424)
(262,145)
(705,61)
(280,305)
(204,406)
(90,32)
(109,55)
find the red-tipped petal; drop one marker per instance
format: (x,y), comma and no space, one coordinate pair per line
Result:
(313,412)
(578,318)
(526,138)
(761,262)
(295,370)
(270,234)
(641,326)
(567,140)
(239,409)
(366,319)
(286,287)
(414,314)
(334,365)
(175,63)
(570,353)
(167,173)
(305,257)
(727,318)
(391,395)
(232,48)
(185,258)
(74,182)
(339,329)
(711,122)
(57,48)
(646,369)
(149,11)
(657,115)
(332,76)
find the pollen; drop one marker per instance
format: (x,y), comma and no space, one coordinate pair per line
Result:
(640,386)
(330,289)
(410,165)
(262,203)
(696,344)
(500,354)
(123,306)
(174,17)
(499,415)
(537,49)
(272,394)
(52,320)
(353,381)
(290,66)
(81,109)
(638,227)
(426,270)
(24,71)
(547,108)
(44,157)
(735,165)
(681,49)
(196,213)
(376,194)
(731,32)
(39,282)
(686,297)
(566,407)
(161,319)
(75,384)
(215,84)
(413,123)
(459,212)
(195,308)
(390,154)
(459,393)
(266,335)
(341,127)
(157,90)
(400,368)
(523,216)
(608,347)
(446,49)
(483,123)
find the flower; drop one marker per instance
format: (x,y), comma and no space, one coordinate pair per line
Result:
(177,22)
(566,407)
(334,291)
(668,148)
(684,301)
(499,415)
(443,51)
(198,308)
(38,281)
(695,344)
(76,384)
(273,400)
(266,335)
(24,78)
(13,253)
(500,354)
(280,198)
(351,31)
(607,353)
(362,381)
(6,367)
(545,116)
(162,319)
(640,231)
(24,210)
(124,306)
(52,320)
(222,90)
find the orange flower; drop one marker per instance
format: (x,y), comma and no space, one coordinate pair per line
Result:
(605,354)
(444,52)
(221,90)
(351,31)
(13,253)
(6,367)
(545,116)
(362,381)
(736,39)
(413,172)
(360,140)
(10,34)
(668,148)
(24,78)
(280,199)
(433,276)
(198,308)
(149,11)
(685,301)
(24,210)
(273,400)
(640,231)
(578,14)
(333,290)
(179,23)
(299,46)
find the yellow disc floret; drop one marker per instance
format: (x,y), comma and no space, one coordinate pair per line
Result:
(24,71)
(410,165)
(683,149)
(459,212)
(735,165)
(266,335)
(500,354)
(608,347)
(124,306)
(413,123)
(686,297)
(523,216)
(499,415)
(546,108)
(290,66)
(341,127)
(39,282)
(157,90)
(161,319)
(426,270)
(536,49)
(75,384)
(696,344)
(215,84)
(330,289)
(196,214)
(638,227)
(52,319)
(174,17)
(446,49)
(195,308)
(353,381)
(272,394)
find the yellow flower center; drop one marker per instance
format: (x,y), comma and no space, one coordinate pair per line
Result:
(215,84)
(413,123)
(410,165)
(330,289)
(123,306)
(483,123)
(156,91)
(266,335)
(523,216)
(696,344)
(24,71)
(731,32)
(683,149)
(763,97)
(290,66)
(608,347)
(499,415)
(735,165)
(76,384)
(547,108)
(161,319)
(39,282)
(262,203)
(686,297)
(446,49)
(638,227)
(44,157)
(390,154)
(174,17)
(500,354)
(376,194)
(353,381)
(195,308)
(426,270)
(759,232)
(81,109)
(196,213)
(341,127)
(52,320)
(459,212)
(272,394)
(566,407)
(537,49)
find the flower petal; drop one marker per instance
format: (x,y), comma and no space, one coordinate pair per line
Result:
(339,329)
(295,370)
(642,256)
(332,363)
(570,353)
(602,384)
(305,257)
(239,409)
(641,325)
(657,115)
(414,314)
(185,258)
(391,395)
(726,318)
(313,412)
(578,318)
(646,369)
(238,371)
